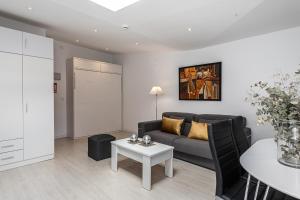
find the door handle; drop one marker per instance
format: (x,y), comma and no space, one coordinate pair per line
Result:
(26,108)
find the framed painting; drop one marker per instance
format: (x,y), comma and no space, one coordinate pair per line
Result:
(201,82)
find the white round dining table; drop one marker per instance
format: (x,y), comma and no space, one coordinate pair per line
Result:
(260,161)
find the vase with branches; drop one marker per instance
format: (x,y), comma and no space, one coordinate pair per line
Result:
(278,104)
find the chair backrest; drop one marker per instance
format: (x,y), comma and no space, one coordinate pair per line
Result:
(225,155)
(238,125)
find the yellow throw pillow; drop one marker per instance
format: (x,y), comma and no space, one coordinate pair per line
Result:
(198,131)
(171,125)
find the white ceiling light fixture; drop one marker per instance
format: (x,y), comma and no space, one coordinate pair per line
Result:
(125,27)
(114,5)
(77,41)
(29,8)
(95,30)
(189,29)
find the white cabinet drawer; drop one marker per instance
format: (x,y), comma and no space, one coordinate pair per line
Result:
(38,46)
(10,40)
(111,68)
(11,157)
(11,145)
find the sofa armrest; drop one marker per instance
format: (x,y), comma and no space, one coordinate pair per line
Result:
(148,126)
(247,132)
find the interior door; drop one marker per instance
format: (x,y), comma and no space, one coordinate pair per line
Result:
(97,103)
(11,110)
(38,107)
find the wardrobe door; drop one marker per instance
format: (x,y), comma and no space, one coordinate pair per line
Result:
(97,103)
(38,107)
(10,40)
(39,46)
(11,116)
(111,99)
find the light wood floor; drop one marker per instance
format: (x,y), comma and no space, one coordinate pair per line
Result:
(72,175)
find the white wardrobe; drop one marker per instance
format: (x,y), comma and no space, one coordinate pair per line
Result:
(26,98)
(94,96)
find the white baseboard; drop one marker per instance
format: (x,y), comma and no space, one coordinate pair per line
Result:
(26,162)
(58,136)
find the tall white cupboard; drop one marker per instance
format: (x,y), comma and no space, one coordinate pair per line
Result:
(94,96)
(26,98)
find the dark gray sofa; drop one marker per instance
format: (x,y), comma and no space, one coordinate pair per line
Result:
(192,150)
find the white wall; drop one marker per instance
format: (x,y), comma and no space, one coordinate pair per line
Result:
(63,51)
(244,62)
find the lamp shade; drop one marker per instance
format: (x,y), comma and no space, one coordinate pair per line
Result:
(156,90)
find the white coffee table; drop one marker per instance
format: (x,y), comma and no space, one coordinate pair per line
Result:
(148,156)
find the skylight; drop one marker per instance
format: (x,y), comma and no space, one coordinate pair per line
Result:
(114,5)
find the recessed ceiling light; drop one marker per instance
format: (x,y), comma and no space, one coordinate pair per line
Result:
(95,30)
(114,5)
(77,41)
(29,8)
(189,29)
(106,49)
(125,27)
(136,43)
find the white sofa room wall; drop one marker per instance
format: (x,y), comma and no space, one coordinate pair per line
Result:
(244,62)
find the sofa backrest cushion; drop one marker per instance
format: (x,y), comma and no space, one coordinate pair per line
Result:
(186,127)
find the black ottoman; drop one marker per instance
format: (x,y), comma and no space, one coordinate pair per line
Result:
(99,147)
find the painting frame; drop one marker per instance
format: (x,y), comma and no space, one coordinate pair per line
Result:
(216,80)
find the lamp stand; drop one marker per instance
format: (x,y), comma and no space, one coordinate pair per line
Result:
(156,106)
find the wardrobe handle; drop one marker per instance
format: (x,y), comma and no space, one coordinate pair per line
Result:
(8,158)
(26,108)
(25,43)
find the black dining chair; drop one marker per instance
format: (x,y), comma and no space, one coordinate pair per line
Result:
(230,183)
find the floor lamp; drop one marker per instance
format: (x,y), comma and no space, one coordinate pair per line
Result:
(156,90)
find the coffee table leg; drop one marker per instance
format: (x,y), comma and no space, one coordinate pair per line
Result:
(114,158)
(169,167)
(147,173)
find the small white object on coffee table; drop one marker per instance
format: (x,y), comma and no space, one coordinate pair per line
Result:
(148,156)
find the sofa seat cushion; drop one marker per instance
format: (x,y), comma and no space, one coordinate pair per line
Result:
(192,146)
(162,137)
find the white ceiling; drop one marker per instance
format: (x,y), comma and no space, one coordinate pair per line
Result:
(157,25)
